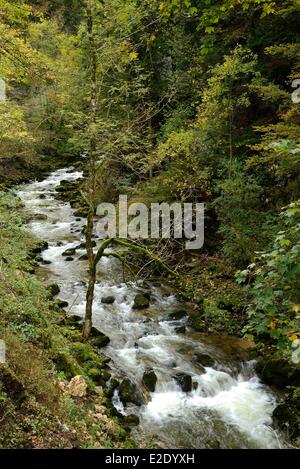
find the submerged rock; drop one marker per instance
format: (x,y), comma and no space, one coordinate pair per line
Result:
(202,359)
(149,380)
(184,381)
(141,301)
(129,392)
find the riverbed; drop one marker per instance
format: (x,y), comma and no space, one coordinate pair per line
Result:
(227,407)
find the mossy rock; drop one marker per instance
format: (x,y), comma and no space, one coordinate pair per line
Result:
(278,372)
(177,315)
(60,304)
(108,300)
(129,393)
(288,419)
(69,252)
(198,323)
(73,321)
(72,334)
(141,301)
(53,290)
(84,353)
(149,380)
(131,420)
(98,339)
(67,364)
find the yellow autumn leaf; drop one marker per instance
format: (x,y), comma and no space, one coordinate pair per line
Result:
(293,337)
(133,55)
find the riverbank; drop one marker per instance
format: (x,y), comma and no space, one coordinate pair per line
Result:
(51,396)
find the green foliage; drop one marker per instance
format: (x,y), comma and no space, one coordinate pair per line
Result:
(272,283)
(245,224)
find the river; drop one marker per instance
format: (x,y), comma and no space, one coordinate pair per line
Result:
(228,406)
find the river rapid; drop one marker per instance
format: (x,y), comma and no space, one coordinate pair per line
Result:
(228,406)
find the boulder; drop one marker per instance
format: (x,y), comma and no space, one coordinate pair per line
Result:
(107,300)
(180,329)
(278,372)
(83,245)
(98,338)
(61,303)
(129,392)
(69,259)
(73,321)
(287,418)
(131,420)
(141,301)
(84,257)
(149,380)
(77,387)
(184,381)
(53,289)
(177,315)
(69,252)
(202,359)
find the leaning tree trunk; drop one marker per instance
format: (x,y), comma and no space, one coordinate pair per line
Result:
(91,182)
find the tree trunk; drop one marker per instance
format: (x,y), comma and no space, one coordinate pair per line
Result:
(91,182)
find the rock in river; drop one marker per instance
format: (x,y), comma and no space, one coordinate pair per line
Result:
(129,392)
(184,381)
(141,301)
(149,380)
(107,300)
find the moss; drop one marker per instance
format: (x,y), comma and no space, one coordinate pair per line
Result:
(71,333)
(65,362)
(84,352)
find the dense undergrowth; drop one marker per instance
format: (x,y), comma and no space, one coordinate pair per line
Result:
(44,349)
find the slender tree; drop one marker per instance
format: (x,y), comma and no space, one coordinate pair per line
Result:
(91,196)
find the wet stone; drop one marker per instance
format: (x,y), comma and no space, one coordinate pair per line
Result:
(184,381)
(149,380)
(107,300)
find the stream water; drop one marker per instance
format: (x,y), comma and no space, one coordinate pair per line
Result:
(228,407)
